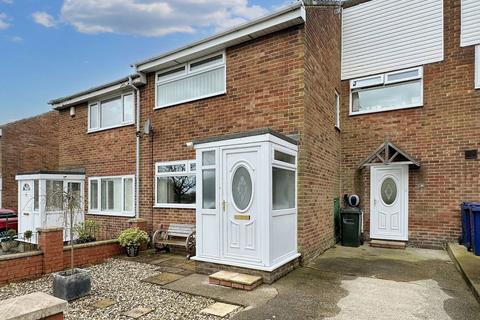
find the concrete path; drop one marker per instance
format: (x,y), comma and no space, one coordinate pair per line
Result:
(468,265)
(371,283)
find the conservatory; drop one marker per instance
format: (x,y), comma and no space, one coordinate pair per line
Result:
(42,201)
(246,208)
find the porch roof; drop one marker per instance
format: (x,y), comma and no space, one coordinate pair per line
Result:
(389,153)
(247,134)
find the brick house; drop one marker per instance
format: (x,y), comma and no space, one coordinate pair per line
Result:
(26,145)
(251,134)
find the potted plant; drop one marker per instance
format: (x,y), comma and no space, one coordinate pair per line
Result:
(131,239)
(27,236)
(9,240)
(86,231)
(73,283)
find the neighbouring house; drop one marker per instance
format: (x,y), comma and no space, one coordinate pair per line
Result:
(26,145)
(252,134)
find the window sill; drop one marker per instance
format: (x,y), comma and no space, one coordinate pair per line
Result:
(112,214)
(384,110)
(174,206)
(191,100)
(110,128)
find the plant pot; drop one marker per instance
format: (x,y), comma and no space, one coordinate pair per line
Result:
(68,286)
(132,251)
(9,245)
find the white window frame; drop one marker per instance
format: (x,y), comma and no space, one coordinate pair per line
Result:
(187,172)
(285,166)
(477,67)
(382,82)
(337,110)
(99,112)
(188,73)
(99,211)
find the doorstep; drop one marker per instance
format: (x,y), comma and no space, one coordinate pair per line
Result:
(388,244)
(235,280)
(468,264)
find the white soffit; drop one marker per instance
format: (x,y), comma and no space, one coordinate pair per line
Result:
(470,23)
(279,20)
(383,35)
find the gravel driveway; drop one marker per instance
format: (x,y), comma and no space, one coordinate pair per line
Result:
(120,281)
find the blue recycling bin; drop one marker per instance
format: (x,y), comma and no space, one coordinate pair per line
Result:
(474,209)
(466,228)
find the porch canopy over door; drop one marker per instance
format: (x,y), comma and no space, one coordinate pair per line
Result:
(389,153)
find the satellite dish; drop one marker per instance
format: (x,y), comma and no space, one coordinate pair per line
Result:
(353,200)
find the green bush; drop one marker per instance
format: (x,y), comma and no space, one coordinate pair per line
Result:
(8,235)
(133,237)
(86,231)
(28,234)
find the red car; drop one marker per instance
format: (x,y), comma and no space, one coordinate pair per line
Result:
(8,220)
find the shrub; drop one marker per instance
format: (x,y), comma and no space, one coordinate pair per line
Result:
(85,231)
(133,237)
(28,234)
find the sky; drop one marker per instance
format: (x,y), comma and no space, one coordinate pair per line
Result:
(53,48)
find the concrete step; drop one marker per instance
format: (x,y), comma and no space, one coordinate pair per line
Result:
(388,244)
(235,280)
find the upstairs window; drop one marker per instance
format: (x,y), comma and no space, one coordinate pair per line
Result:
(477,67)
(388,91)
(194,80)
(111,113)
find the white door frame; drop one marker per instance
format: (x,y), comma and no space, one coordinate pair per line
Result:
(375,198)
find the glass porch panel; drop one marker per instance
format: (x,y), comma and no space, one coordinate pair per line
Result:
(283,189)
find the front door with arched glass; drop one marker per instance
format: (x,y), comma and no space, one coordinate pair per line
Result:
(389,202)
(240,207)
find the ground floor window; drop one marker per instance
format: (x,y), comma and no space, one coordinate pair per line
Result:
(111,195)
(175,184)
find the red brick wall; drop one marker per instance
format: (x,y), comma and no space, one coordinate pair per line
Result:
(436,134)
(92,253)
(319,171)
(27,145)
(21,268)
(102,153)
(264,89)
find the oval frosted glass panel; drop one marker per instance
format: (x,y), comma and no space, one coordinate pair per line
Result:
(389,191)
(242,188)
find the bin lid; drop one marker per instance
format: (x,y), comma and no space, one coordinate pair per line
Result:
(351,210)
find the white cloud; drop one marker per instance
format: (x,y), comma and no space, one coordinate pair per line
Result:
(156,17)
(16,39)
(7,1)
(4,21)
(44,19)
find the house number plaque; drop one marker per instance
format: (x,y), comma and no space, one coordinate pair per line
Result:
(241,217)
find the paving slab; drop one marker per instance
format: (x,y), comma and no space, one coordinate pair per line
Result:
(197,284)
(163,278)
(104,303)
(235,277)
(137,312)
(469,266)
(219,309)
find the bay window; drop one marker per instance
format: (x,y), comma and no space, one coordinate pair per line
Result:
(111,195)
(389,91)
(193,80)
(175,184)
(110,113)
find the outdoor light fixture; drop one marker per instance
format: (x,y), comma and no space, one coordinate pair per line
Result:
(72,111)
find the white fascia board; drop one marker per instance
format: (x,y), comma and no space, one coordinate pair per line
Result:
(43,176)
(90,96)
(291,16)
(247,140)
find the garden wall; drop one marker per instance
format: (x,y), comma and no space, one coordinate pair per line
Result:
(53,256)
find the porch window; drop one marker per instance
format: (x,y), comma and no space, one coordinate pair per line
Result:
(54,195)
(389,91)
(110,113)
(111,195)
(191,81)
(283,180)
(175,184)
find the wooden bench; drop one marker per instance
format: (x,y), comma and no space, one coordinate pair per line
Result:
(181,235)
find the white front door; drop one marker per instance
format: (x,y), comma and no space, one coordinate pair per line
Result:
(241,218)
(389,202)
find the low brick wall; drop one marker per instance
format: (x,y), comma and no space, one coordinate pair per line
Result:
(21,266)
(91,253)
(54,256)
